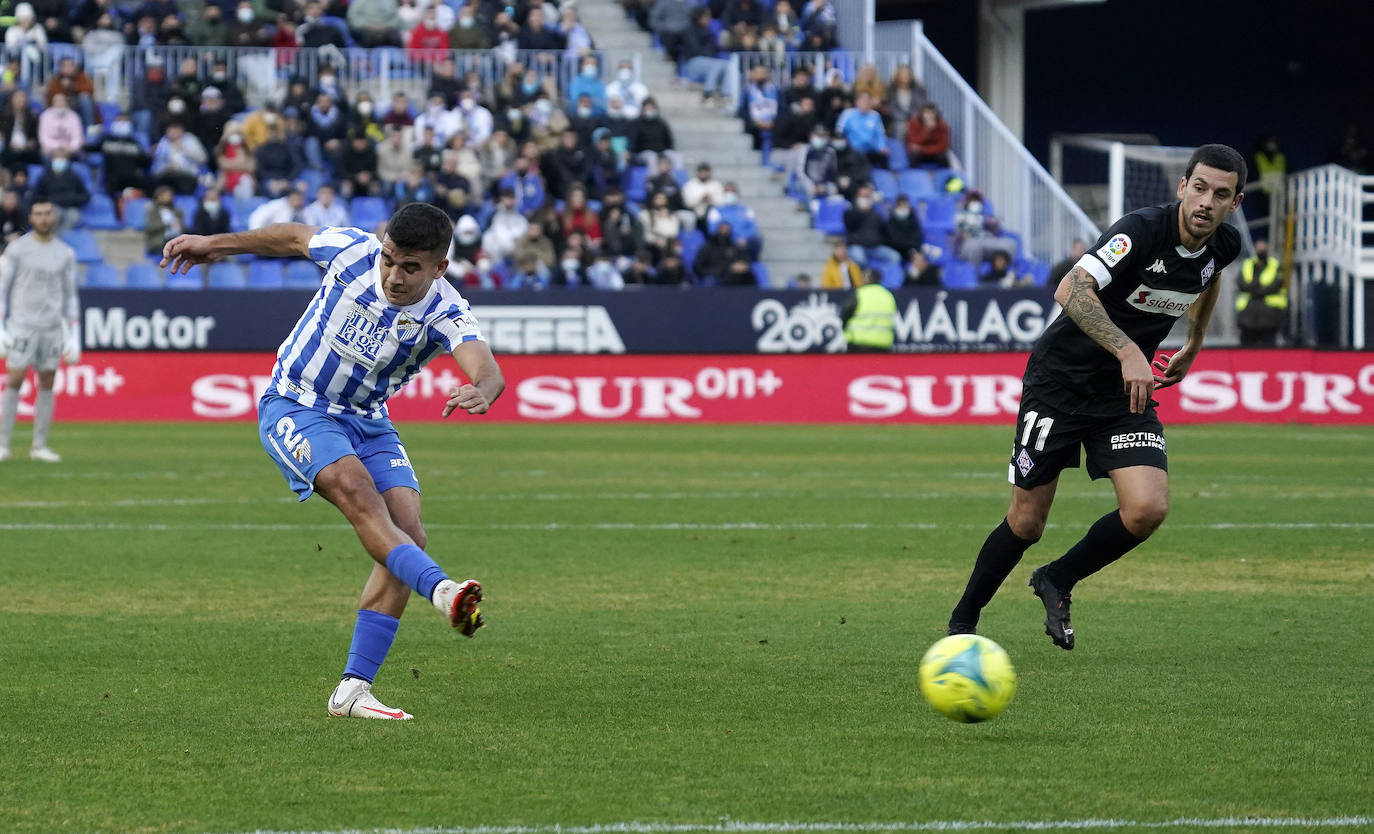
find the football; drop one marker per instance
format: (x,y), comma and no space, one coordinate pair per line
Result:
(967,678)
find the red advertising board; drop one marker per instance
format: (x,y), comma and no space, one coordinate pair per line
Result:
(1225,386)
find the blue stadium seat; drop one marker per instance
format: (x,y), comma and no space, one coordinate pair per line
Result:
(692,239)
(143,275)
(313,179)
(240,211)
(84,173)
(99,213)
(84,243)
(108,111)
(102,276)
(916,185)
(136,212)
(188,206)
(886,183)
(960,275)
(830,215)
(940,212)
(897,159)
(367,212)
(1040,273)
(226,275)
(761,275)
(302,275)
(193,280)
(265,275)
(636,181)
(892,275)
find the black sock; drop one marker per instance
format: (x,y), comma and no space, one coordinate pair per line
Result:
(1000,553)
(1105,542)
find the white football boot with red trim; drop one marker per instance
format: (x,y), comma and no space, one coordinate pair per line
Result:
(353,698)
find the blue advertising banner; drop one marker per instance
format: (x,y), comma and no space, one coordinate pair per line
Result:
(648,320)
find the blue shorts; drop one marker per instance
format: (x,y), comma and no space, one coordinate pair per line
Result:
(302,441)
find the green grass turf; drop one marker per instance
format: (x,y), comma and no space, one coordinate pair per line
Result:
(172,622)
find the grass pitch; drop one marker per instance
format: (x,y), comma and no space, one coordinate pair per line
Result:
(687,625)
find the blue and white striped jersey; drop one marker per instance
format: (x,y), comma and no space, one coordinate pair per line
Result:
(351,349)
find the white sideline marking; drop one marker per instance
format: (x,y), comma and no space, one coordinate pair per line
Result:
(733,827)
(667,526)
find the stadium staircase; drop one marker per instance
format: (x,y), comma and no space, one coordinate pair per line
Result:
(707,134)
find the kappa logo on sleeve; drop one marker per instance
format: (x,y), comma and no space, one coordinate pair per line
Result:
(1116,249)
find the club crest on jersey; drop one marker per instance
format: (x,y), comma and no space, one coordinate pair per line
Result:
(1207,271)
(361,335)
(407,328)
(1116,249)
(1024,463)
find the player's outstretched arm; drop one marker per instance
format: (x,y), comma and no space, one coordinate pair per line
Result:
(279,240)
(1077,294)
(476,361)
(1175,368)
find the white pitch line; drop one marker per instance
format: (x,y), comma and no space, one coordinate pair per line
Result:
(554,497)
(733,827)
(667,526)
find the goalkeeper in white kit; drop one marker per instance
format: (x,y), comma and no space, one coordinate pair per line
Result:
(39,324)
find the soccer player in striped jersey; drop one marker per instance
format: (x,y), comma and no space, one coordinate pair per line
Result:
(382,312)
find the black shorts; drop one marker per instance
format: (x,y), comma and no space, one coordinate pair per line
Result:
(1047,442)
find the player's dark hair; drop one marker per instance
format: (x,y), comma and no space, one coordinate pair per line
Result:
(1222,158)
(420,227)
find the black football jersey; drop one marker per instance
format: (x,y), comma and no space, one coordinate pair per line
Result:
(1146,281)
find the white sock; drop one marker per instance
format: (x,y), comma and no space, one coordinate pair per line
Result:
(42,417)
(9,409)
(443,596)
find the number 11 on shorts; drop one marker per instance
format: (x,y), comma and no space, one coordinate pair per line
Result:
(1043,424)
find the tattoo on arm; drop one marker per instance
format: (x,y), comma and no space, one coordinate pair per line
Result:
(1086,310)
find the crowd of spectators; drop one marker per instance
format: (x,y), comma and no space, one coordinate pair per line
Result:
(532,165)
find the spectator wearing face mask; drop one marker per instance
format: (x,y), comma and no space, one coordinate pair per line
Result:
(703,192)
(588,83)
(477,120)
(865,232)
(163,221)
(175,111)
(124,159)
(819,167)
(585,120)
(652,137)
(60,129)
(468,32)
(211,217)
(852,169)
(504,229)
(427,41)
(394,158)
(903,230)
(243,28)
(236,165)
(64,188)
(631,91)
(178,159)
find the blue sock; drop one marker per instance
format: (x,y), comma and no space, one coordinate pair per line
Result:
(413,566)
(372,636)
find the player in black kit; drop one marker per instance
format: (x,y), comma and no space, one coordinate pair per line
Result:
(1088,384)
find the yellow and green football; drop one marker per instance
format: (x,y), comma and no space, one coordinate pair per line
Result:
(967,678)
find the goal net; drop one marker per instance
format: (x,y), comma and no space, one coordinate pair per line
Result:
(1111,176)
